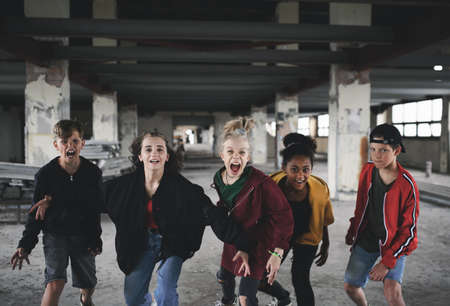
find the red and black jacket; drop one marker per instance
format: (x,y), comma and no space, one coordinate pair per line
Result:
(400,211)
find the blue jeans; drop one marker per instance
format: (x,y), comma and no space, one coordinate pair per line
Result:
(360,264)
(137,282)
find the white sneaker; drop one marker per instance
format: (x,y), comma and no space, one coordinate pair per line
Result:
(219,303)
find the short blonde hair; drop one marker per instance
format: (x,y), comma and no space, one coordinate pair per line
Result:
(241,126)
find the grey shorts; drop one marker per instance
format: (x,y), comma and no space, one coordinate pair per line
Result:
(58,248)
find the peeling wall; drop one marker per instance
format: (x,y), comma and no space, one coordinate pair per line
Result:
(128,128)
(47,100)
(349,111)
(286,116)
(105,117)
(259,139)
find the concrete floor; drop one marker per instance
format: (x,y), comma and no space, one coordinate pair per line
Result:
(426,279)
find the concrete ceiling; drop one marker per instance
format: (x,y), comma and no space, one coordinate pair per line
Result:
(201,55)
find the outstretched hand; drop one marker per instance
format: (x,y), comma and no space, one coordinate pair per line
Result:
(272,267)
(18,257)
(245,267)
(322,255)
(41,207)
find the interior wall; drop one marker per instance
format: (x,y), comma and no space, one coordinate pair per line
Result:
(322,144)
(11,135)
(161,121)
(420,150)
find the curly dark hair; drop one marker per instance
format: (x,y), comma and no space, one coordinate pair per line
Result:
(298,144)
(172,165)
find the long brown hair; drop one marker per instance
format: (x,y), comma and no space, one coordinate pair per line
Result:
(172,165)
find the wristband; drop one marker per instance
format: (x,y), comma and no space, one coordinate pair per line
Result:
(275,254)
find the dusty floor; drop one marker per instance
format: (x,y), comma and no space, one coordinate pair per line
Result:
(426,280)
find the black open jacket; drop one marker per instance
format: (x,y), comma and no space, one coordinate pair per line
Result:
(181,210)
(75,205)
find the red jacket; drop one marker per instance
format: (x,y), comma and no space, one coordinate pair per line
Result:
(265,215)
(400,210)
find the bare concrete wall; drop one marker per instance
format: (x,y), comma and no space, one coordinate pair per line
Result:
(160,121)
(11,135)
(418,151)
(270,146)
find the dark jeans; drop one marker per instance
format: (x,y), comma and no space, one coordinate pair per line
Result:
(301,266)
(247,287)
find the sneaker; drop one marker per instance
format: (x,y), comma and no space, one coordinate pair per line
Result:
(284,302)
(219,303)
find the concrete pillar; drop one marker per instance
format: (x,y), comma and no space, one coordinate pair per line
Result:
(286,118)
(104,9)
(313,125)
(286,107)
(128,127)
(105,117)
(373,119)
(349,110)
(104,106)
(47,89)
(220,118)
(444,165)
(258,140)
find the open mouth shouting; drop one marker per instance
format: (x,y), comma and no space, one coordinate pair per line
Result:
(154,161)
(70,153)
(235,167)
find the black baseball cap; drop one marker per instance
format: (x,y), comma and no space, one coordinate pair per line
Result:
(391,135)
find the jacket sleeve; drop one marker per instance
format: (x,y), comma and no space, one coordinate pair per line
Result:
(224,227)
(33,226)
(405,240)
(278,213)
(96,241)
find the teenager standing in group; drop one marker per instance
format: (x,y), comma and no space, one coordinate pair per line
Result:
(309,199)
(385,220)
(254,201)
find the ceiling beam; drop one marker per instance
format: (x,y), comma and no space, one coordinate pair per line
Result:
(194,69)
(194,30)
(158,55)
(439,3)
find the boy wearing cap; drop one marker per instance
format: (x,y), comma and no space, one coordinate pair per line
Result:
(384,222)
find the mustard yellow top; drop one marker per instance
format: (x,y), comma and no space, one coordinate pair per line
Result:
(321,209)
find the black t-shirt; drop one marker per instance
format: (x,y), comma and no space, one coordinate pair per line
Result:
(375,229)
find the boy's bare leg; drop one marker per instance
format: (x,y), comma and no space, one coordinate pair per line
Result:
(243,300)
(356,294)
(393,293)
(86,295)
(53,292)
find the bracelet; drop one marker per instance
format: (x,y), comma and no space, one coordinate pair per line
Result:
(275,254)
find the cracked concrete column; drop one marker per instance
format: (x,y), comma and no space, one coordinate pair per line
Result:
(258,139)
(349,110)
(286,106)
(47,89)
(286,118)
(105,117)
(128,127)
(104,106)
(444,144)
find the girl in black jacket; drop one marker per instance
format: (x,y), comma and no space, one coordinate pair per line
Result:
(160,215)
